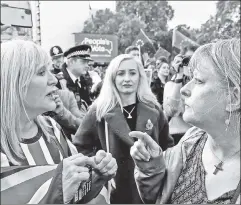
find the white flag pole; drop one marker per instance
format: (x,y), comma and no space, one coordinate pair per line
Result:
(108,151)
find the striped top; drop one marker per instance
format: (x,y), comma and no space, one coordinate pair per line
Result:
(40,151)
(39,178)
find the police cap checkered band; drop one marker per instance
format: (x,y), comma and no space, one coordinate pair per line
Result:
(79,53)
(83,51)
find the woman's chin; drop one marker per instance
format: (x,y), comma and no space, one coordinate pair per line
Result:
(51,106)
(128,91)
(187,117)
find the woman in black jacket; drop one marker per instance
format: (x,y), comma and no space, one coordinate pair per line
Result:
(125,104)
(157,86)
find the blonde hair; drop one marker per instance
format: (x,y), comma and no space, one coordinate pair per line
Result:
(109,96)
(19,61)
(224,55)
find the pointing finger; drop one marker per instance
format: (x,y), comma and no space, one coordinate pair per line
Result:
(144,137)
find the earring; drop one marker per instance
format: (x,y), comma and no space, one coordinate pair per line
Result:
(227,122)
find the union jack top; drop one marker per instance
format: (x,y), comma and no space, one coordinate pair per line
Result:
(39,178)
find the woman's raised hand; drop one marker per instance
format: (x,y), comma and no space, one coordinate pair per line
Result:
(59,105)
(74,172)
(145,148)
(105,164)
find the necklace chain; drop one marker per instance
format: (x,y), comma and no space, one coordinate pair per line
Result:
(233,154)
(219,166)
(129,113)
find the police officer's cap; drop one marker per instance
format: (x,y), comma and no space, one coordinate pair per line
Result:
(56,51)
(83,51)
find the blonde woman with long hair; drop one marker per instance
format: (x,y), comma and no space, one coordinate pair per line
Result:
(38,163)
(204,167)
(125,103)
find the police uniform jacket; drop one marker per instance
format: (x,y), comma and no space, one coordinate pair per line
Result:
(82,91)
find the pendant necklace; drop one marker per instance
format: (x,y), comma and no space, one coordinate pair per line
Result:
(219,166)
(129,113)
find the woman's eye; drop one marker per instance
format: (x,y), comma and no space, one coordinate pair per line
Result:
(120,73)
(42,73)
(197,81)
(133,73)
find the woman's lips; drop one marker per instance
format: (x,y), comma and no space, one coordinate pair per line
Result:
(127,86)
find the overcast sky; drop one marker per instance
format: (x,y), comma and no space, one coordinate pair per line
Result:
(192,13)
(60,19)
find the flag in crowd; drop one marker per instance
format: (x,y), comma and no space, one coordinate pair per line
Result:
(179,40)
(27,184)
(162,52)
(141,39)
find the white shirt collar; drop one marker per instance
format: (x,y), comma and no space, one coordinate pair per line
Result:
(72,76)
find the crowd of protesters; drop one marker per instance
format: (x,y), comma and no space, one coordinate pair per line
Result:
(159,131)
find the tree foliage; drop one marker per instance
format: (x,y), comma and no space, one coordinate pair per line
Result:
(225,24)
(104,22)
(129,18)
(153,16)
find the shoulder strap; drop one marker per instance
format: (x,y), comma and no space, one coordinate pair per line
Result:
(236,195)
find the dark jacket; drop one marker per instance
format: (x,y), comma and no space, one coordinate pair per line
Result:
(157,88)
(86,83)
(82,93)
(90,137)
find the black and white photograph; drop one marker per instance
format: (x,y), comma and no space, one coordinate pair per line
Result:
(120,102)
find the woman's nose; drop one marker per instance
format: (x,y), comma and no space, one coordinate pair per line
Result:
(52,80)
(126,77)
(185,92)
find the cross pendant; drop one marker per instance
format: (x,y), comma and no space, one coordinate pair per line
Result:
(218,168)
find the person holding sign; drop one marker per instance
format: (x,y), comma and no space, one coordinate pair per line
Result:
(125,104)
(38,162)
(204,167)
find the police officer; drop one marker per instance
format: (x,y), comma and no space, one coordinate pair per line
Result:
(74,70)
(56,54)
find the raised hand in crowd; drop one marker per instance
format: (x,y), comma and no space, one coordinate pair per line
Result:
(74,173)
(105,164)
(145,147)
